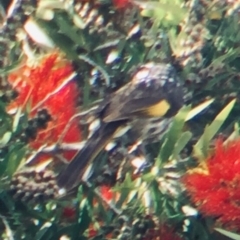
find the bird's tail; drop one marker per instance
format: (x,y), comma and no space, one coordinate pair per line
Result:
(73,173)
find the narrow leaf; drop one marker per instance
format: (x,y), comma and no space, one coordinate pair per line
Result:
(181,143)
(5,139)
(14,160)
(226,233)
(173,134)
(16,120)
(201,147)
(199,108)
(44,231)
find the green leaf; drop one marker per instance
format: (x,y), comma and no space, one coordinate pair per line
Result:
(156,197)
(13,59)
(201,147)
(16,120)
(61,40)
(233,135)
(226,233)
(84,217)
(199,108)
(5,139)
(169,11)
(10,68)
(173,135)
(15,157)
(3,166)
(126,189)
(6,202)
(181,143)
(67,28)
(44,231)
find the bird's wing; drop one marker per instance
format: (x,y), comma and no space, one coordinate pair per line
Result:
(72,174)
(142,100)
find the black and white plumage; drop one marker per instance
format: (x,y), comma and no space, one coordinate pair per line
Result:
(141,110)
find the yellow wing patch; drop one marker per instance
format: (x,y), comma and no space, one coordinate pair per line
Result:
(158,110)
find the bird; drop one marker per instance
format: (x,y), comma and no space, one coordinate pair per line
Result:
(141,110)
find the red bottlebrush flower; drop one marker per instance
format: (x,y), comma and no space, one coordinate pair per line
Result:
(69,213)
(119,4)
(49,85)
(216,191)
(106,193)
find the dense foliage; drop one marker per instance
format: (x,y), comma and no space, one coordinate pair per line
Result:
(58,58)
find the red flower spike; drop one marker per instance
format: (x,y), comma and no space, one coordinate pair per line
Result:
(106,193)
(49,85)
(69,213)
(216,194)
(120,4)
